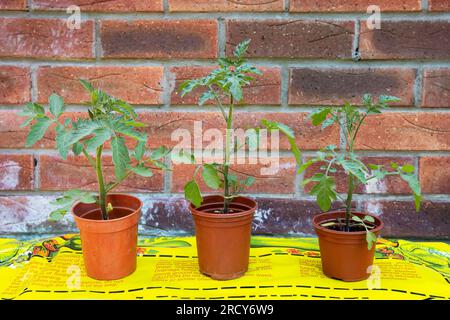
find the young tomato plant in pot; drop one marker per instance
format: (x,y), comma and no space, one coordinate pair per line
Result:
(347,237)
(108,222)
(223,222)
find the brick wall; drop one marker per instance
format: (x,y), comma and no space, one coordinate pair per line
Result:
(312,53)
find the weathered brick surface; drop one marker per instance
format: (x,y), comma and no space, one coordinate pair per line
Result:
(438,5)
(225,5)
(265,90)
(136,85)
(402,221)
(13,5)
(405,131)
(45,38)
(314,86)
(159,39)
(293,38)
(16,172)
(57,174)
(279,177)
(435,174)
(389,185)
(14,85)
(436,88)
(101,6)
(163,124)
(406,40)
(353,6)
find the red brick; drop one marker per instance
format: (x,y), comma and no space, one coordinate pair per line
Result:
(434,174)
(293,38)
(16,172)
(163,124)
(14,85)
(159,39)
(13,5)
(389,185)
(436,87)
(101,6)
(136,85)
(438,5)
(334,86)
(264,90)
(281,181)
(57,174)
(405,131)
(45,38)
(353,6)
(12,136)
(225,5)
(406,40)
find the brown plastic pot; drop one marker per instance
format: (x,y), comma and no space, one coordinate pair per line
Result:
(344,255)
(109,246)
(223,240)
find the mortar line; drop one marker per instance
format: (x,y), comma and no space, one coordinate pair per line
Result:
(282,15)
(418,87)
(424,6)
(356,56)
(97,42)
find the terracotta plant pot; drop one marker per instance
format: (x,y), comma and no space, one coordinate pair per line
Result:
(223,240)
(344,255)
(109,246)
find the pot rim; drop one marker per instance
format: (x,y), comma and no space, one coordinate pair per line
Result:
(136,211)
(316,225)
(195,211)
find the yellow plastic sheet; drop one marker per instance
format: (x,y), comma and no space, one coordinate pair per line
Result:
(280,268)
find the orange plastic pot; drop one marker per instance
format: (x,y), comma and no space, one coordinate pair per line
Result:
(223,240)
(109,246)
(345,255)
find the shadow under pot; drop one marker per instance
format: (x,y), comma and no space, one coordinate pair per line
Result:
(344,254)
(109,246)
(223,240)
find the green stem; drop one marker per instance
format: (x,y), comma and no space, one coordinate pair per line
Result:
(101,184)
(226,165)
(348,202)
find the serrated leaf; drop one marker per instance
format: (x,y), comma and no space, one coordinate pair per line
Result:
(319,116)
(56,105)
(87,85)
(324,190)
(62,141)
(142,171)
(77,148)
(121,157)
(127,130)
(37,131)
(210,176)
(356,169)
(159,153)
(101,135)
(139,150)
(241,48)
(192,193)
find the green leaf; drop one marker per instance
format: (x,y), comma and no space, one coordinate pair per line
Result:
(121,158)
(57,214)
(101,135)
(371,239)
(192,193)
(319,116)
(369,219)
(183,157)
(241,48)
(206,96)
(31,110)
(357,219)
(210,176)
(81,129)
(324,190)
(139,150)
(355,168)
(38,130)
(62,141)
(127,130)
(77,148)
(142,171)
(414,184)
(408,168)
(56,105)
(87,85)
(249,181)
(159,153)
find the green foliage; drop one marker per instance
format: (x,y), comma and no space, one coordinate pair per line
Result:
(350,119)
(108,119)
(224,86)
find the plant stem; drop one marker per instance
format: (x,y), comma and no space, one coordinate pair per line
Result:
(226,165)
(348,202)
(101,184)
